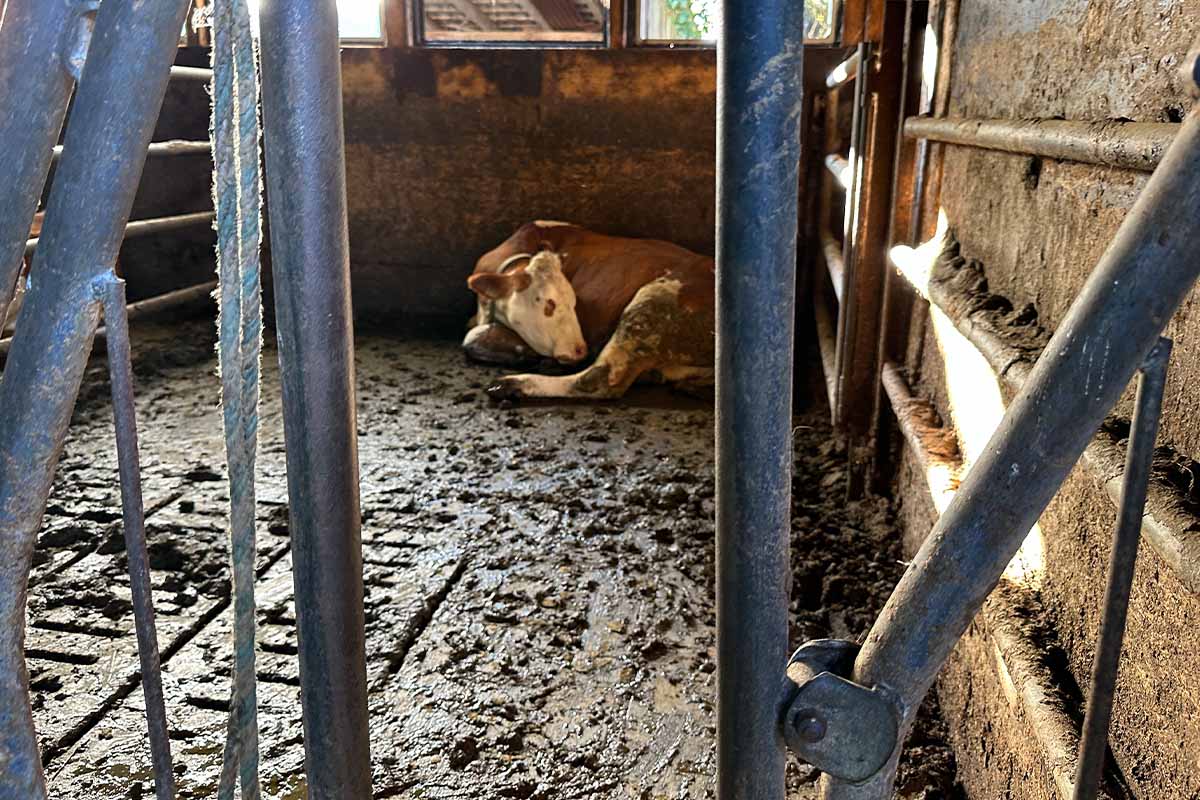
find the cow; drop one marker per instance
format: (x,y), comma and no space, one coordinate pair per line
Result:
(643,307)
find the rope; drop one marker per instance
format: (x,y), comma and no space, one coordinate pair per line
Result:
(237,195)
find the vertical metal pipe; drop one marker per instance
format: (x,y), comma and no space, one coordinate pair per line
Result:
(306,187)
(1128,534)
(1140,281)
(120,370)
(118,102)
(35,85)
(759,71)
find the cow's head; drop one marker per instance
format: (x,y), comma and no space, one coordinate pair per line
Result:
(536,300)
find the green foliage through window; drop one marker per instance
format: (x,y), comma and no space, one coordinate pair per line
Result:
(698,19)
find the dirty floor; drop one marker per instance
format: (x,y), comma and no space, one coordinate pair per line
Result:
(538,587)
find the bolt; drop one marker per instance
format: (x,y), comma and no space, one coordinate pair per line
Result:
(809,727)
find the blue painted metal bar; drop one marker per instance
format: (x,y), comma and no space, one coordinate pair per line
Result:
(759,70)
(35,85)
(119,98)
(120,371)
(306,182)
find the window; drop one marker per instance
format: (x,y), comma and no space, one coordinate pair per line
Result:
(695,21)
(359,21)
(514,21)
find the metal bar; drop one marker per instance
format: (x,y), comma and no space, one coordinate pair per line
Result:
(852,180)
(844,72)
(1020,659)
(174,147)
(866,273)
(840,169)
(36,86)
(759,70)
(191,74)
(120,370)
(826,344)
(897,306)
(149,306)
(149,227)
(1138,459)
(1128,145)
(832,250)
(306,181)
(111,123)
(1134,290)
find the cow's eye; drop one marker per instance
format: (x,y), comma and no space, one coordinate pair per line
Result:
(549,309)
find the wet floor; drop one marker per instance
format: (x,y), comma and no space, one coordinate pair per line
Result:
(538,587)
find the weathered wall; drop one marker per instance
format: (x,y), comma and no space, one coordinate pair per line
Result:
(448,152)
(1038,226)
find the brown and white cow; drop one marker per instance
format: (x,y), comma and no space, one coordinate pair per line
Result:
(645,307)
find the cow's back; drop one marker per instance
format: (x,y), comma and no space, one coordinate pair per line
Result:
(607,271)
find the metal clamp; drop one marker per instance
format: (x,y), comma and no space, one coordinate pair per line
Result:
(843,729)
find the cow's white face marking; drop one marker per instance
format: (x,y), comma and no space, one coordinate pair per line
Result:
(551,223)
(537,302)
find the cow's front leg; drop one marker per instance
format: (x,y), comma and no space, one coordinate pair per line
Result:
(609,377)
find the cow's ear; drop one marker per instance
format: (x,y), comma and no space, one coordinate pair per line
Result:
(491,285)
(499,285)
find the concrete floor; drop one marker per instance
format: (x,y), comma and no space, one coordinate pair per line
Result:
(539,602)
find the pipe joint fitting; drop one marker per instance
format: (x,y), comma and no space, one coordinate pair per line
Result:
(843,729)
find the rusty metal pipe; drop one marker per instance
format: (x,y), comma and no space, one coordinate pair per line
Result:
(35,86)
(832,250)
(149,306)
(1128,145)
(844,72)
(119,98)
(149,227)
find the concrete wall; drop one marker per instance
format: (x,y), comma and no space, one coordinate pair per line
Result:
(1038,227)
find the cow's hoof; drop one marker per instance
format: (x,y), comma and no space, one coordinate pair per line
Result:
(505,390)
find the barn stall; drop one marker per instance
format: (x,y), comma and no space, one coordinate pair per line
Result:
(455,594)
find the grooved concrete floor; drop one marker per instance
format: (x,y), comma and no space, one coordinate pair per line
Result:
(539,602)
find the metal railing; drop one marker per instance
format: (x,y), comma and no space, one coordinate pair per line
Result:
(121,88)
(851,723)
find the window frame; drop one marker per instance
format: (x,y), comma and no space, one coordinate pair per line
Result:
(508,40)
(633,32)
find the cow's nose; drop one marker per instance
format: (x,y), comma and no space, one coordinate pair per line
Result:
(580,351)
